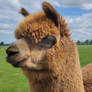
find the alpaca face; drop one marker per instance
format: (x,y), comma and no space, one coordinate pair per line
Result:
(34,38)
(24,54)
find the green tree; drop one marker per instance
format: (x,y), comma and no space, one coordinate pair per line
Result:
(87,42)
(2,43)
(90,41)
(78,42)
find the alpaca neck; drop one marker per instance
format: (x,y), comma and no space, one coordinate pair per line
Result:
(68,80)
(56,85)
(47,85)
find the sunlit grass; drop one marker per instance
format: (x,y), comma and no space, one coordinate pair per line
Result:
(85,54)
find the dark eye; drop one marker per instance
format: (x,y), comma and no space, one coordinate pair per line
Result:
(20,36)
(47,42)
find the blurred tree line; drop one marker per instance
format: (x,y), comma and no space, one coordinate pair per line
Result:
(3,44)
(86,42)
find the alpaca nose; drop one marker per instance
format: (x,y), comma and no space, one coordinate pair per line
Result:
(12,50)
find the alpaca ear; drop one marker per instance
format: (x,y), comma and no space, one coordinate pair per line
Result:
(51,13)
(24,12)
(47,42)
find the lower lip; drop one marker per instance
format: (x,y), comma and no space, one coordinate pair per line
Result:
(17,64)
(13,62)
(8,59)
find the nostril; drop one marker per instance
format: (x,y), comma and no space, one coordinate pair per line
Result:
(11,53)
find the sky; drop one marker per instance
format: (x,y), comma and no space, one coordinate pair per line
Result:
(77,13)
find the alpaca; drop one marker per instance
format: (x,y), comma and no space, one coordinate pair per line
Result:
(45,52)
(87,77)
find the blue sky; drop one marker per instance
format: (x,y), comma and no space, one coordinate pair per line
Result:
(78,15)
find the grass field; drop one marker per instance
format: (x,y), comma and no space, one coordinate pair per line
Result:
(12,79)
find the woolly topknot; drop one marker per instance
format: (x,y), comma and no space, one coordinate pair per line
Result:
(39,25)
(36,28)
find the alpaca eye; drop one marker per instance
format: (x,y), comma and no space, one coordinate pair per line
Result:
(47,42)
(21,36)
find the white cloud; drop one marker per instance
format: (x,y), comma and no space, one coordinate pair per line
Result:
(15,3)
(5,25)
(87,6)
(83,21)
(81,26)
(57,3)
(5,32)
(83,4)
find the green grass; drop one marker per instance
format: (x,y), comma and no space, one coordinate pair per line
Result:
(85,54)
(12,79)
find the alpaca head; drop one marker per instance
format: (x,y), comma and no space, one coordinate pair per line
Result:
(37,37)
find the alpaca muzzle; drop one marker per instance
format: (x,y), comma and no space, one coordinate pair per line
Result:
(11,51)
(13,56)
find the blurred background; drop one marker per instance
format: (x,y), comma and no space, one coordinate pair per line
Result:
(78,15)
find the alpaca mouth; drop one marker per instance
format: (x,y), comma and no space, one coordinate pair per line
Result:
(18,64)
(16,61)
(13,53)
